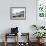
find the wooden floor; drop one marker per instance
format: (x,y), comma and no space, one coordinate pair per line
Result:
(13,44)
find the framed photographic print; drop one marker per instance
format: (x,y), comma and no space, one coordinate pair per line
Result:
(17,13)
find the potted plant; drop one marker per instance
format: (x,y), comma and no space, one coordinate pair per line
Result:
(39,35)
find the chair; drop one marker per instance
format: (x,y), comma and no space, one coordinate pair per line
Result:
(26,41)
(14,32)
(7,35)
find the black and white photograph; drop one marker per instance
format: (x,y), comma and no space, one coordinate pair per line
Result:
(17,13)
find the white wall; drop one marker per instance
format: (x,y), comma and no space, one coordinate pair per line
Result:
(24,25)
